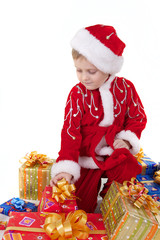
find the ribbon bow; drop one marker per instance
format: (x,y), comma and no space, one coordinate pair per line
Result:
(138,194)
(18,203)
(74,226)
(139,155)
(33,158)
(63,191)
(157,177)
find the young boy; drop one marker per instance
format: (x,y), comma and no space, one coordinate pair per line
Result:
(104,118)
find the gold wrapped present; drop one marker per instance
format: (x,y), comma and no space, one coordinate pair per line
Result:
(125,219)
(34,175)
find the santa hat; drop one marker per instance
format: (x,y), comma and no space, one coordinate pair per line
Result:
(101,46)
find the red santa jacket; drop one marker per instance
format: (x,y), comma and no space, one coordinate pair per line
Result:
(94,119)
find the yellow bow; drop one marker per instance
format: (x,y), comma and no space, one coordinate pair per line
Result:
(157,177)
(33,158)
(63,191)
(74,226)
(138,194)
(139,155)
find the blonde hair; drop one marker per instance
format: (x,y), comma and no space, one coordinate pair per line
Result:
(76,54)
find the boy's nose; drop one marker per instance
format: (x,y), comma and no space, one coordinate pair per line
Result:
(85,77)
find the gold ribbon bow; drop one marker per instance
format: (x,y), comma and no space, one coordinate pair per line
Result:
(63,191)
(157,177)
(74,226)
(56,226)
(138,194)
(33,158)
(139,155)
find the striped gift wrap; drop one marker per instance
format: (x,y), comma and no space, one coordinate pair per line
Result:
(32,180)
(125,221)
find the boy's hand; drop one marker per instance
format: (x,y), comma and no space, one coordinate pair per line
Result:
(119,143)
(59,176)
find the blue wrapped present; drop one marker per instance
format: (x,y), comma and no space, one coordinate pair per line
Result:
(148,165)
(151,185)
(17,205)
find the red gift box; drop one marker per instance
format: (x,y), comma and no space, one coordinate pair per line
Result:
(3,225)
(49,204)
(34,222)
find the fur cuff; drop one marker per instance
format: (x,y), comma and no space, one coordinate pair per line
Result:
(67,166)
(131,138)
(88,162)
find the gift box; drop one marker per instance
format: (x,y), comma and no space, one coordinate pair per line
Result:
(3,225)
(31,226)
(123,220)
(151,185)
(49,204)
(148,165)
(34,175)
(17,205)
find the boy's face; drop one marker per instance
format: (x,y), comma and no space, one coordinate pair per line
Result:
(91,77)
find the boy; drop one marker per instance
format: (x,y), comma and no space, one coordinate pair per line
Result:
(104,118)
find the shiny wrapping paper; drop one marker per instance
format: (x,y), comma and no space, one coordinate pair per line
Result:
(151,185)
(148,165)
(125,221)
(32,180)
(8,207)
(36,220)
(49,204)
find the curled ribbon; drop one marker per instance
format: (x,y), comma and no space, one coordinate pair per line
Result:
(74,226)
(157,177)
(63,191)
(17,203)
(33,158)
(138,194)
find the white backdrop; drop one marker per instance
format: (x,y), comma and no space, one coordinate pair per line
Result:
(37,72)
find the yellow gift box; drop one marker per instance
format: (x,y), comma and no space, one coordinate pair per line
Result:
(34,175)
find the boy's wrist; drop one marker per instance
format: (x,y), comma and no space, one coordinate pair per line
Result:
(128,144)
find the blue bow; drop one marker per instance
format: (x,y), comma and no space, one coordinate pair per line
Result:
(18,203)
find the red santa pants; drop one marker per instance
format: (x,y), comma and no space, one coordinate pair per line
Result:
(88,185)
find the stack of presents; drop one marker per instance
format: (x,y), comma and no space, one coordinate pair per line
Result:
(128,211)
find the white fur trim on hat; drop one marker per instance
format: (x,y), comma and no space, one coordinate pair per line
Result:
(96,53)
(131,138)
(67,166)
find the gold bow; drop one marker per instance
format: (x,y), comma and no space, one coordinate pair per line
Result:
(33,158)
(63,191)
(157,177)
(138,194)
(74,226)
(139,155)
